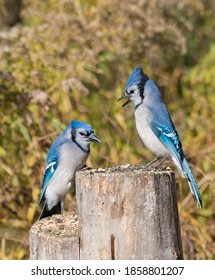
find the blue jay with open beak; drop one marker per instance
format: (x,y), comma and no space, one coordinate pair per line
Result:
(155,125)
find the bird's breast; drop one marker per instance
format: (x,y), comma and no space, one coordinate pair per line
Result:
(151,141)
(71,160)
(72,157)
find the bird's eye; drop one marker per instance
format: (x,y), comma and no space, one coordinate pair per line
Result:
(131,91)
(82,133)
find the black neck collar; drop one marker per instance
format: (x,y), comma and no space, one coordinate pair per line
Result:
(82,148)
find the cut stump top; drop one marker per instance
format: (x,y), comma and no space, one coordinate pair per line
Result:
(58,226)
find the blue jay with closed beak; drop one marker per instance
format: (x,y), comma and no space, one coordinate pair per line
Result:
(68,154)
(155,125)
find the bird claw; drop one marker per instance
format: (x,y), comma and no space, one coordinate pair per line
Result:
(85,167)
(159,165)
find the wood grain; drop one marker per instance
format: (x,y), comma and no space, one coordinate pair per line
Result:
(128,213)
(125,212)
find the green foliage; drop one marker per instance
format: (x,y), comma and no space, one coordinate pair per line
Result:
(70,60)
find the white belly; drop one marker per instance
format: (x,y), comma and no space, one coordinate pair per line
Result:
(147,135)
(71,160)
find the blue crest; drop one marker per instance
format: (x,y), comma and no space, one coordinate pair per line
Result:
(77,124)
(137,77)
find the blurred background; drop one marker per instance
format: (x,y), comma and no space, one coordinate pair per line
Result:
(70,59)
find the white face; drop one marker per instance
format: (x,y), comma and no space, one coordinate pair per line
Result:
(134,94)
(84,136)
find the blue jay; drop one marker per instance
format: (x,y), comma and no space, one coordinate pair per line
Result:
(155,126)
(68,154)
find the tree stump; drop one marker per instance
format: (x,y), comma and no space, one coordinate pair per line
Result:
(55,238)
(126,212)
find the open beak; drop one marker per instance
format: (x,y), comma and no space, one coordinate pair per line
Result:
(93,138)
(123,97)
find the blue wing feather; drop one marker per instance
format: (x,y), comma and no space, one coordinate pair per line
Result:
(51,163)
(50,169)
(170,139)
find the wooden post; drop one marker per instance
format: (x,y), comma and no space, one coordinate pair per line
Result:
(55,238)
(125,212)
(128,213)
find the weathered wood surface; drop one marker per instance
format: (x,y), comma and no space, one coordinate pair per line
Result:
(128,213)
(125,212)
(55,238)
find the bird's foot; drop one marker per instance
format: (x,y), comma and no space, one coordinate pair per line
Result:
(85,167)
(159,165)
(153,161)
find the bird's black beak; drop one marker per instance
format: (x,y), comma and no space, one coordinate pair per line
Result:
(93,138)
(123,97)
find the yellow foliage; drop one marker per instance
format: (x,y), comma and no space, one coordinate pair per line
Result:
(70,60)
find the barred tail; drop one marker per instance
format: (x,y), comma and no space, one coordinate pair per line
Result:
(46,213)
(192,183)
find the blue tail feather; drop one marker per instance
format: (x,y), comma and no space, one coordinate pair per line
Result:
(192,183)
